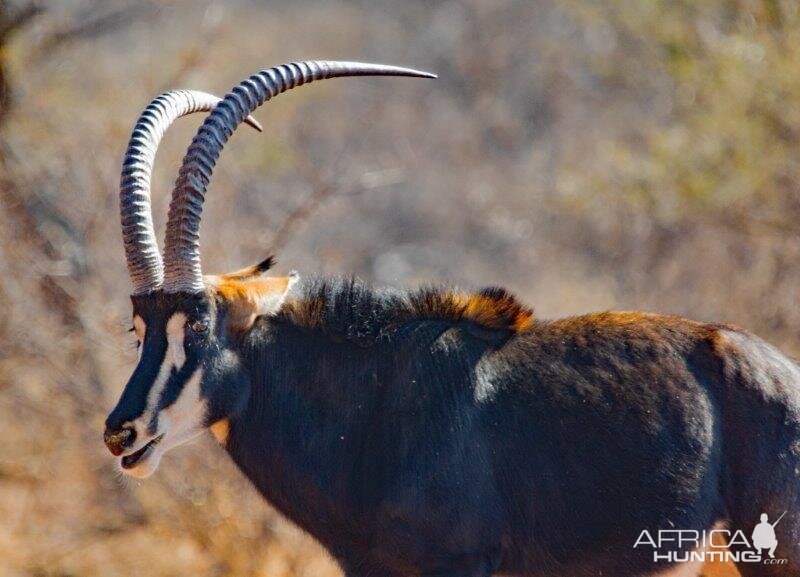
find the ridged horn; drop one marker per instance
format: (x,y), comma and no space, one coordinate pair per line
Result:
(182,246)
(141,249)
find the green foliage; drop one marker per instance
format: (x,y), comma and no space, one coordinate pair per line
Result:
(720,134)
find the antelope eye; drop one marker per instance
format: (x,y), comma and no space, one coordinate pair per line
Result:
(199,326)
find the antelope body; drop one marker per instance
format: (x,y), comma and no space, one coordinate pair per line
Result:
(445,433)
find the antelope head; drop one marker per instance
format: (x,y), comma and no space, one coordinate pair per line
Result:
(189,376)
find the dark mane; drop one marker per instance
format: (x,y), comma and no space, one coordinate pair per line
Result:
(349,309)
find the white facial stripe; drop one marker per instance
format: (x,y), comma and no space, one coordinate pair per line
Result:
(188,400)
(175,333)
(186,414)
(172,359)
(140,328)
(158,387)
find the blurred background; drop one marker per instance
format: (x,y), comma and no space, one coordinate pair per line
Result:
(585,154)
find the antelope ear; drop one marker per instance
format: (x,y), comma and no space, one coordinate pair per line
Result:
(248,272)
(249,298)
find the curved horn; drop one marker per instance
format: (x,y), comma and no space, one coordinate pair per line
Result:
(141,248)
(182,246)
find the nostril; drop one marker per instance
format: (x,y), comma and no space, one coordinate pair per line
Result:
(118,441)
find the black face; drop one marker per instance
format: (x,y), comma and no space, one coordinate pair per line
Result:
(188,377)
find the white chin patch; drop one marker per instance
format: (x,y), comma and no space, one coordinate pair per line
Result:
(144,465)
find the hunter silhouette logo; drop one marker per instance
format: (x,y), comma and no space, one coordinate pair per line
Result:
(764,535)
(689,545)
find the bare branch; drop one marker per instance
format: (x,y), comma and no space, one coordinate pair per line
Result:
(9,22)
(85,26)
(321,190)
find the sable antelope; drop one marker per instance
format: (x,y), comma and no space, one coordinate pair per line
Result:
(444,433)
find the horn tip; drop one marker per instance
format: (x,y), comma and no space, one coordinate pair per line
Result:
(251,121)
(400,70)
(372,69)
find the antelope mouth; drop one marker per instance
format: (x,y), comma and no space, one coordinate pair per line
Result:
(130,461)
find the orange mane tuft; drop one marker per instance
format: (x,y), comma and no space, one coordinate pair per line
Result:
(492,308)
